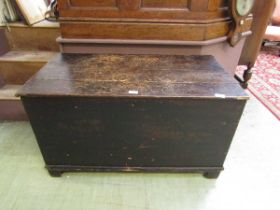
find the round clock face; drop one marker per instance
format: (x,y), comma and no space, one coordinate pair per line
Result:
(243,7)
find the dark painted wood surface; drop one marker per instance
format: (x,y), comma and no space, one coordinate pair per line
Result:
(125,75)
(133,113)
(133,132)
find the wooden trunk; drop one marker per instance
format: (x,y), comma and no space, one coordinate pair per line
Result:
(133,113)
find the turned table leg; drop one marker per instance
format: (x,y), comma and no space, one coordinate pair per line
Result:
(247,75)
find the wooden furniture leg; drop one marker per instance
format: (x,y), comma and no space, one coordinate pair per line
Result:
(212,174)
(247,75)
(55,173)
(262,13)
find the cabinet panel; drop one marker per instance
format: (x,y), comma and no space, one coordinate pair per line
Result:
(129,5)
(137,10)
(93,3)
(217,4)
(165,3)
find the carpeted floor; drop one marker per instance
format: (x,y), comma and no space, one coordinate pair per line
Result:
(265,84)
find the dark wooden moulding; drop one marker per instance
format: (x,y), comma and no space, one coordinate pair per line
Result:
(133,113)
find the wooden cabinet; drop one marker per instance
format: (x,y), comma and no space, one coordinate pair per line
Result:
(188,20)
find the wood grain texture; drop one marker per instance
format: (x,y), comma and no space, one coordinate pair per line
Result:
(214,4)
(147,31)
(131,31)
(143,15)
(115,75)
(182,20)
(4,46)
(16,67)
(164,9)
(41,36)
(226,55)
(199,6)
(27,56)
(93,3)
(129,5)
(183,4)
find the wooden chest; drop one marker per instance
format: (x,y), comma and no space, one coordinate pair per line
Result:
(133,113)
